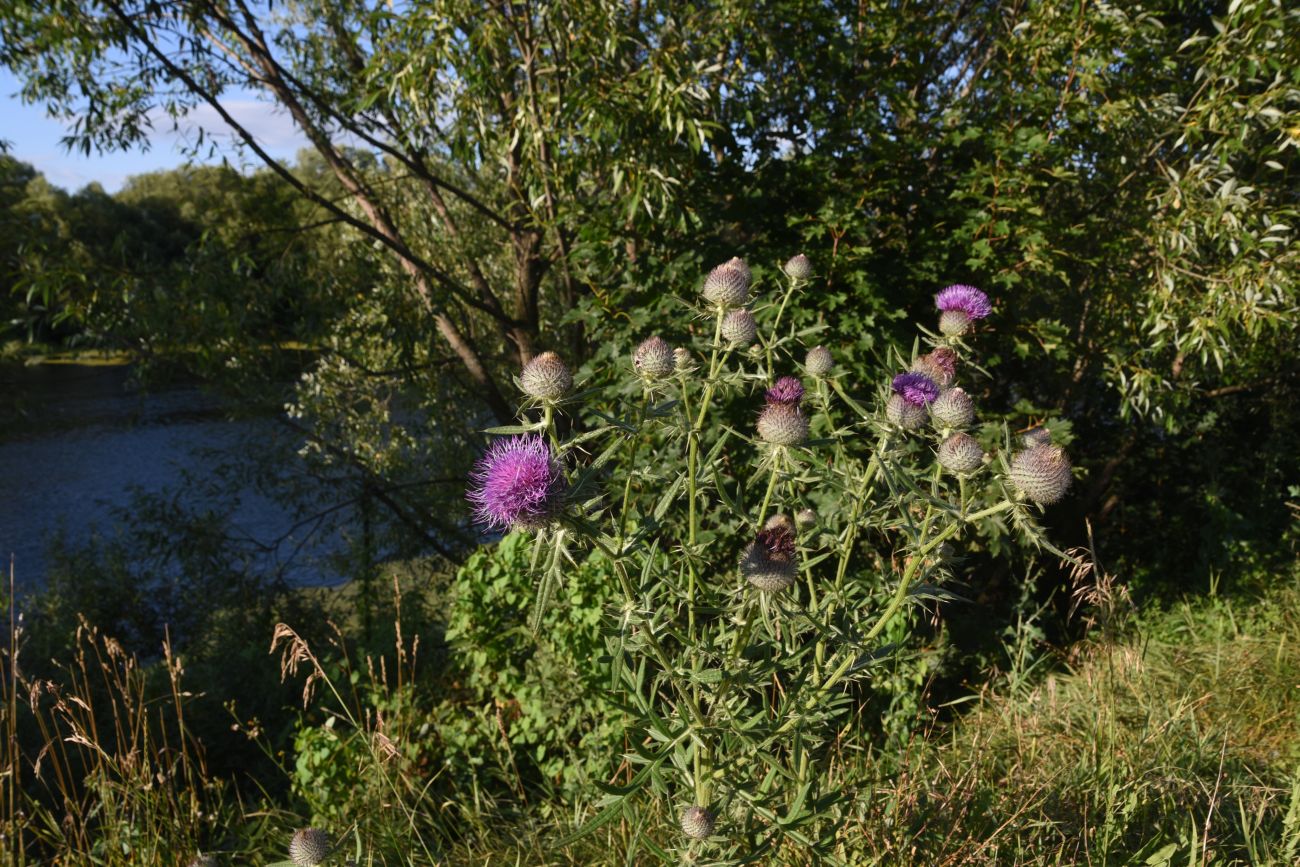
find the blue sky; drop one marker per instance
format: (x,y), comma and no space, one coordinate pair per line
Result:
(35,138)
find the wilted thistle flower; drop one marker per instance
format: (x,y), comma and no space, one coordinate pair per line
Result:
(768,562)
(805,519)
(739,328)
(653,359)
(309,847)
(798,267)
(1041,473)
(818,363)
(960,453)
(961,305)
(682,361)
(940,364)
(787,390)
(517,483)
(546,377)
(1039,436)
(782,424)
(953,408)
(698,822)
(779,521)
(728,284)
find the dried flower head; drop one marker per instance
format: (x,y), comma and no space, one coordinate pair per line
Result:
(1042,473)
(779,521)
(782,424)
(818,362)
(309,847)
(728,284)
(960,453)
(546,377)
(915,388)
(953,408)
(940,364)
(787,390)
(698,822)
(517,483)
(769,561)
(653,359)
(739,328)
(798,267)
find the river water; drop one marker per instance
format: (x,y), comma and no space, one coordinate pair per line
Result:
(77,441)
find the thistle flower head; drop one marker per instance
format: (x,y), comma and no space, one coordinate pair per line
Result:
(546,377)
(309,847)
(517,483)
(728,284)
(940,365)
(779,521)
(966,299)
(782,424)
(818,363)
(698,822)
(915,388)
(805,519)
(787,390)
(953,408)
(653,359)
(740,265)
(739,327)
(960,453)
(904,413)
(769,561)
(1042,473)
(798,267)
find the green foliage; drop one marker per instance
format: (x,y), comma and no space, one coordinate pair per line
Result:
(525,707)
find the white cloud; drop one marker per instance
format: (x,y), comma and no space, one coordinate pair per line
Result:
(270,125)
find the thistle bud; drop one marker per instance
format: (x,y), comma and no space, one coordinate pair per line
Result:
(805,519)
(740,265)
(906,415)
(954,323)
(798,267)
(653,359)
(739,328)
(769,561)
(698,822)
(818,363)
(682,361)
(728,284)
(960,453)
(953,408)
(1042,473)
(546,377)
(309,847)
(782,425)
(1039,436)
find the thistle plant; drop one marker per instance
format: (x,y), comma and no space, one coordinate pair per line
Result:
(744,638)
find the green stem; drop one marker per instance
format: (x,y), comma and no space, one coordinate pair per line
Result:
(771,486)
(776,326)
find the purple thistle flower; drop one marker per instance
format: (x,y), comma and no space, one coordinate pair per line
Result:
(517,483)
(965,299)
(915,388)
(787,390)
